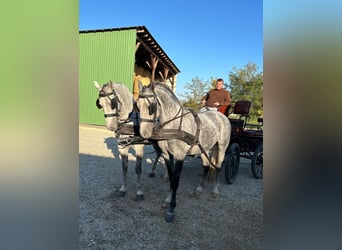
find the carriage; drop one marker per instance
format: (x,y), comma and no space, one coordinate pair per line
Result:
(246,141)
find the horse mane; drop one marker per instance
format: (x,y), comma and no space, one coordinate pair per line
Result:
(167,89)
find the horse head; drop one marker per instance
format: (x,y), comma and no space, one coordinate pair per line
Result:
(116,102)
(158,107)
(147,104)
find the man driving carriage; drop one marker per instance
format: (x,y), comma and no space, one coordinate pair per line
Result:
(217,99)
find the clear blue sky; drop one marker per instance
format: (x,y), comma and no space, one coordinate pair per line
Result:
(203,38)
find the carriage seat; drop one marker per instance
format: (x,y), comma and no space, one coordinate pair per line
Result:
(241,108)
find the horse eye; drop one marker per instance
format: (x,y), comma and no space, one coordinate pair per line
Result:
(102,94)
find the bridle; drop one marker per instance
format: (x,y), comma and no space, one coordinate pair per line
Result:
(152,108)
(114,103)
(123,127)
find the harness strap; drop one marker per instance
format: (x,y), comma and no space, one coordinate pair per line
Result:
(196,138)
(111,115)
(128,127)
(168,134)
(206,155)
(160,125)
(146,120)
(198,123)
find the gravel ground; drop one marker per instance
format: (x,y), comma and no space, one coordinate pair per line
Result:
(234,220)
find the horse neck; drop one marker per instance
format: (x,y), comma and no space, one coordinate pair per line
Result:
(171,107)
(126,101)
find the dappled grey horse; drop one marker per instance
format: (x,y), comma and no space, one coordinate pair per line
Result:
(180,132)
(117,103)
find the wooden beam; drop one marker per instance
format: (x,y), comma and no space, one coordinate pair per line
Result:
(162,76)
(154,63)
(148,64)
(166,72)
(152,53)
(137,46)
(172,81)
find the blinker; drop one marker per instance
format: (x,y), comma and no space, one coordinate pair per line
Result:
(98,105)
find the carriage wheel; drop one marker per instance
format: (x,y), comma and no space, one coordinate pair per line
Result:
(231,163)
(257,162)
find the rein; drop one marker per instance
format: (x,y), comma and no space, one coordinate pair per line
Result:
(161,125)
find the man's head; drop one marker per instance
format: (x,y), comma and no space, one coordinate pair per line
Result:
(219,83)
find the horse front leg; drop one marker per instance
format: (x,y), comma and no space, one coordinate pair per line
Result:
(170,214)
(169,162)
(140,194)
(139,152)
(124,161)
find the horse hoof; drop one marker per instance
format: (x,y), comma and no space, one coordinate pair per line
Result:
(197,193)
(166,204)
(151,175)
(139,197)
(121,193)
(214,194)
(169,217)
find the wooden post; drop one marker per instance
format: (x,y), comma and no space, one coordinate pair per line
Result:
(154,63)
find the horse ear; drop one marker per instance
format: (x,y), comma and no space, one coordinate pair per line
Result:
(97,85)
(110,83)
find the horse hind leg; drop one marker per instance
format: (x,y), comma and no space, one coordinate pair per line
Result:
(215,193)
(199,189)
(218,159)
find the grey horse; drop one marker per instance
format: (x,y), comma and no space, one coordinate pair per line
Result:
(180,132)
(117,103)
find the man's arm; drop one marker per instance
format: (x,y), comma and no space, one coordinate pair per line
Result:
(204,99)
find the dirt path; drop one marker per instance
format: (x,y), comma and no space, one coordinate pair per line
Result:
(234,220)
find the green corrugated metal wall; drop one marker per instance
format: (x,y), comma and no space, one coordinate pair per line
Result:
(104,56)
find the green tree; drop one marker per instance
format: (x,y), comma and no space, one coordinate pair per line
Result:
(195,91)
(247,84)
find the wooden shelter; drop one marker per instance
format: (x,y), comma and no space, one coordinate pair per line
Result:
(127,55)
